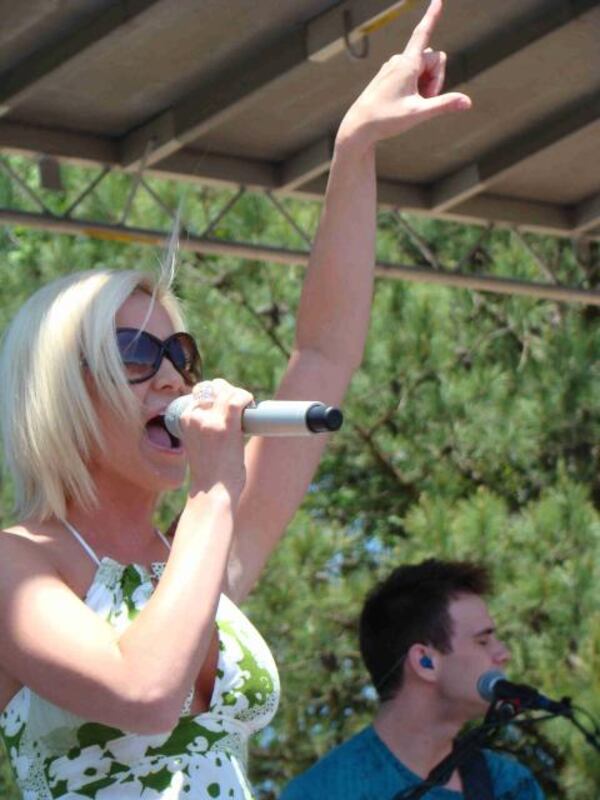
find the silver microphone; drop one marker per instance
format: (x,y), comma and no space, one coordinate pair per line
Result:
(270,417)
(487,683)
(493,686)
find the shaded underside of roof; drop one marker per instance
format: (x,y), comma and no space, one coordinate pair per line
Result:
(241,92)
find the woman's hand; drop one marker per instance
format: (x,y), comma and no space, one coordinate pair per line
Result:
(213,438)
(405,91)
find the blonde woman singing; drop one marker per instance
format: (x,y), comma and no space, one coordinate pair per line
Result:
(127,669)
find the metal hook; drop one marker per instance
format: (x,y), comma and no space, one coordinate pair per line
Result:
(353,51)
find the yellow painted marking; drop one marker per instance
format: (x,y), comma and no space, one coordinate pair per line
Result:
(120,236)
(388,16)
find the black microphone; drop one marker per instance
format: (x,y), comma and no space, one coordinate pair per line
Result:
(493,686)
(270,417)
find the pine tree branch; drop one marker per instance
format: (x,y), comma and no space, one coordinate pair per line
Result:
(384,462)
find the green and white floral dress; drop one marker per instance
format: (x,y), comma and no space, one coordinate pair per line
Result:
(55,754)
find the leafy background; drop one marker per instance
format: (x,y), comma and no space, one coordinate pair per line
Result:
(472,430)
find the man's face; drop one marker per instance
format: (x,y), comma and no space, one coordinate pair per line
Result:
(475,650)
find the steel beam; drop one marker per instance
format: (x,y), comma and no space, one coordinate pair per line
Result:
(284,256)
(157,238)
(486,283)
(79,148)
(506,212)
(220,171)
(529,215)
(257,176)
(21,79)
(88,150)
(307,164)
(586,216)
(475,178)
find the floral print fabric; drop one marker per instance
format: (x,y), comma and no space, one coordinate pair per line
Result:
(56,754)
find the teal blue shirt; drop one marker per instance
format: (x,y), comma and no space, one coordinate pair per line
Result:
(364,769)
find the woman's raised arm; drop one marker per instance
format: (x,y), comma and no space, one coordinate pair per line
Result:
(334,308)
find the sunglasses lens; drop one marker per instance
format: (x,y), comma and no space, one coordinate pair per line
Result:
(138,352)
(141,354)
(184,355)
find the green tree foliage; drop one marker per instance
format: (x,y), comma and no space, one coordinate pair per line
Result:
(472,430)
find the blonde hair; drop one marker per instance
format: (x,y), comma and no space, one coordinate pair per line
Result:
(49,423)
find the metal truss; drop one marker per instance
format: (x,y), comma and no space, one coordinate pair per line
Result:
(30,183)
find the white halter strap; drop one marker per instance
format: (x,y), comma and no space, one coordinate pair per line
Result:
(82,542)
(163,537)
(89,550)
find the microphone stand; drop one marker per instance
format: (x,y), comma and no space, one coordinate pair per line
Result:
(499,714)
(592,737)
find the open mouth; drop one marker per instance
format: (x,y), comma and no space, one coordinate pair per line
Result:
(158,434)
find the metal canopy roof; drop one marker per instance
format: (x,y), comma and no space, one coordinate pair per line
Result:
(250,92)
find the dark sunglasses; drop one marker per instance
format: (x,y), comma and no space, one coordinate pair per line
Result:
(142,354)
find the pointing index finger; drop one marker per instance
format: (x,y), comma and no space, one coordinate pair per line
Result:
(422,33)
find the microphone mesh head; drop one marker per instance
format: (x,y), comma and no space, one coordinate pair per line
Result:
(486,683)
(173,411)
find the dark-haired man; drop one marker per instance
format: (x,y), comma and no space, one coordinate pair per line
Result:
(426,636)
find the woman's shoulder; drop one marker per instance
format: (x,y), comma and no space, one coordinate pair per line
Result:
(32,547)
(22,560)
(25,548)
(31,539)
(24,536)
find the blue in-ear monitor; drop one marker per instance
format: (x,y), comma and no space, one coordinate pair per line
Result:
(426,662)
